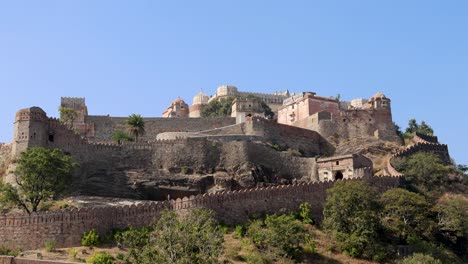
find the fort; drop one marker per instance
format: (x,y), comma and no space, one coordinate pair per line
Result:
(236,166)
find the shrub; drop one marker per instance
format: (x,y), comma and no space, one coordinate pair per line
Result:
(50,245)
(294,152)
(72,252)
(90,239)
(281,234)
(304,213)
(239,232)
(309,245)
(419,258)
(120,256)
(9,252)
(100,258)
(135,240)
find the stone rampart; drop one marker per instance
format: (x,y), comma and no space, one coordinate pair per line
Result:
(105,126)
(15,260)
(423,143)
(67,226)
(419,137)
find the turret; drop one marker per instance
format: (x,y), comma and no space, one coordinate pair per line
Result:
(199,102)
(31,129)
(379,101)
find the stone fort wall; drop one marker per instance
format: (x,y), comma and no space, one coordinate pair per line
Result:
(105,126)
(422,143)
(117,170)
(67,226)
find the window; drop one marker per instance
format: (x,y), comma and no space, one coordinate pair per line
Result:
(51,137)
(337,163)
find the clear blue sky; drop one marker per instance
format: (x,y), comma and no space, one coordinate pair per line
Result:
(137,56)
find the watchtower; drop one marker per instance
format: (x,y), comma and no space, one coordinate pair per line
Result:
(30,129)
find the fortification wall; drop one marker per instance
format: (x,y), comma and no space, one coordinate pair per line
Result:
(105,126)
(310,143)
(352,124)
(67,226)
(423,143)
(16,260)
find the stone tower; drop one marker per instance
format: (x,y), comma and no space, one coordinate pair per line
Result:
(382,111)
(243,108)
(31,129)
(79,105)
(199,102)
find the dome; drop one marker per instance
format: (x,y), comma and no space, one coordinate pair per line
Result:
(200,99)
(178,100)
(379,95)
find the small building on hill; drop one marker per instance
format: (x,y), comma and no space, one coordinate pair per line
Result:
(344,167)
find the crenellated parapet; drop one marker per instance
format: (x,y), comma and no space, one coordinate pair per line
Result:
(67,226)
(422,143)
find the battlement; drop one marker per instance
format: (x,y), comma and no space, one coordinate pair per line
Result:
(424,143)
(30,114)
(67,226)
(72,102)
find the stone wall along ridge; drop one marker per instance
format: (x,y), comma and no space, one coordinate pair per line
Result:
(66,227)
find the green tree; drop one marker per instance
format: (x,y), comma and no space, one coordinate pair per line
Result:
(136,241)
(218,108)
(452,222)
(425,172)
(351,215)
(41,174)
(422,128)
(120,136)
(280,235)
(67,116)
(191,238)
(419,258)
(407,214)
(135,125)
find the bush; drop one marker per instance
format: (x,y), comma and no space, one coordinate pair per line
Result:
(5,251)
(100,258)
(50,245)
(72,252)
(281,234)
(309,245)
(294,152)
(239,232)
(90,239)
(304,213)
(135,240)
(419,258)
(120,256)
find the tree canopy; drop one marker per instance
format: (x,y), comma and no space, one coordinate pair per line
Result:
(218,108)
(422,128)
(190,238)
(406,214)
(67,116)
(351,215)
(120,136)
(41,174)
(135,125)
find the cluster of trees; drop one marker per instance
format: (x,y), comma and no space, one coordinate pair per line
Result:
(414,126)
(194,237)
(223,107)
(368,225)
